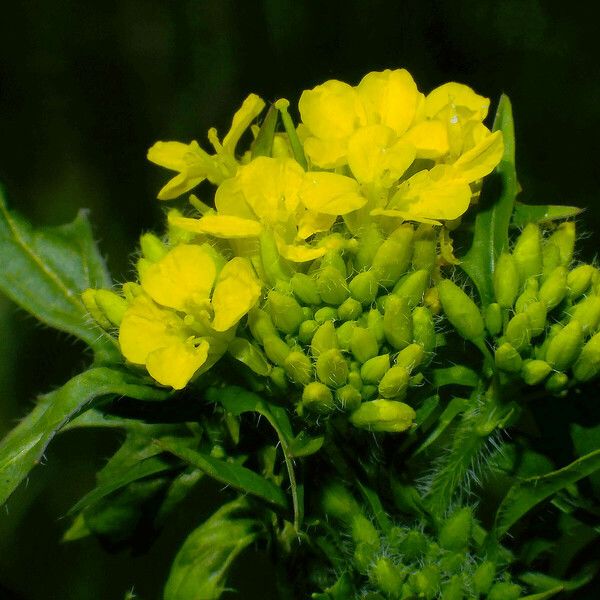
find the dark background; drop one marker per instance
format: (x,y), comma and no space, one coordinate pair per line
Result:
(86,87)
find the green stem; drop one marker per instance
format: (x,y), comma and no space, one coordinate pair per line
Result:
(282,105)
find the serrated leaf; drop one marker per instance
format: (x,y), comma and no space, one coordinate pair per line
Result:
(525,495)
(236,476)
(494,210)
(201,565)
(45,270)
(23,447)
(542,213)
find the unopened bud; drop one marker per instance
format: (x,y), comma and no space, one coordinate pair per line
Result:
(529,295)
(393,256)
(324,339)
(506,280)
(564,348)
(307,330)
(527,253)
(339,503)
(588,363)
(508,359)
(375,324)
(88,298)
(456,530)
(394,383)
(348,398)
(131,290)
(279,378)
(425,246)
(387,576)
(535,371)
(368,391)
(483,577)
(298,367)
(550,259)
(426,582)
(333,259)
(332,368)
(369,243)
(350,309)
(554,289)
(505,591)
(410,357)
(518,332)
(413,286)
(344,334)
(276,349)
(363,344)
(564,239)
(285,312)
(397,322)
(355,380)
(331,285)
(453,589)
(364,532)
(557,382)
(537,313)
(305,289)
(317,398)
(383,415)
(260,324)
(579,280)
(423,328)
(326,313)
(375,368)
(493,318)
(431,299)
(460,310)
(587,312)
(152,247)
(363,287)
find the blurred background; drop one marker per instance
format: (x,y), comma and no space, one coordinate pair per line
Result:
(86,87)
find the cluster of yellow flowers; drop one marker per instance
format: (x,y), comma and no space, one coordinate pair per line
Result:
(363,158)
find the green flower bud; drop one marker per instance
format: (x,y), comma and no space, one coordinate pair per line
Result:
(112,306)
(363,531)
(564,348)
(276,349)
(535,371)
(298,367)
(518,332)
(550,259)
(426,582)
(332,286)
(461,311)
(456,530)
(381,302)
(307,313)
(327,313)
(368,391)
(323,339)
(152,247)
(274,268)
(307,330)
(383,415)
(393,256)
(557,382)
(131,290)
(363,344)
(411,357)
(508,359)
(529,295)
(504,591)
(339,503)
(348,398)
(333,259)
(483,577)
(369,243)
(413,286)
(88,297)
(425,248)
(344,334)
(506,280)
(375,324)
(588,363)
(453,589)
(332,368)
(363,288)
(397,322)
(394,383)
(277,376)
(579,280)
(554,289)
(375,368)
(260,324)
(493,318)
(413,546)
(587,312)
(285,312)
(537,313)
(349,309)
(423,328)
(387,577)
(317,398)
(355,380)
(305,289)
(364,555)
(564,239)
(527,253)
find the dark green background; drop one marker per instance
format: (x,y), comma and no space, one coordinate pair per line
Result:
(86,87)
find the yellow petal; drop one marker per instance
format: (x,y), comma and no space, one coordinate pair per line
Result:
(221,226)
(236,292)
(430,138)
(314,222)
(182,279)
(330,193)
(180,184)
(171,155)
(390,98)
(398,214)
(229,200)
(327,154)
(299,253)
(482,159)
(250,109)
(175,365)
(459,95)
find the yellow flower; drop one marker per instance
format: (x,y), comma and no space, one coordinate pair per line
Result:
(186,312)
(193,164)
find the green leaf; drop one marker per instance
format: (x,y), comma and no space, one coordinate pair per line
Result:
(494,210)
(45,270)
(585,440)
(455,375)
(202,563)
(380,514)
(542,213)
(24,446)
(525,495)
(241,349)
(543,583)
(238,477)
(304,445)
(454,408)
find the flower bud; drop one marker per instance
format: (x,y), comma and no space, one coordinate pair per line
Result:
(579,280)
(260,324)
(368,391)
(564,348)
(425,246)
(363,344)
(393,256)
(307,330)
(508,359)
(363,287)
(554,289)
(564,239)
(397,322)
(332,368)
(557,382)
(383,415)
(331,285)
(355,380)
(537,313)
(410,357)
(323,339)
(152,247)
(414,545)
(550,259)
(375,368)
(424,328)
(587,312)
(505,591)
(305,289)
(529,295)
(350,309)
(375,324)
(394,383)
(348,398)
(453,589)
(333,259)
(483,577)
(298,367)
(326,313)
(426,582)
(339,503)
(131,290)
(363,531)
(535,371)
(588,363)
(276,349)
(344,334)
(431,299)
(88,297)
(413,286)
(518,332)
(285,312)
(278,377)
(369,243)
(493,318)
(527,253)
(387,576)
(456,530)
(460,310)
(506,280)
(274,269)
(317,398)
